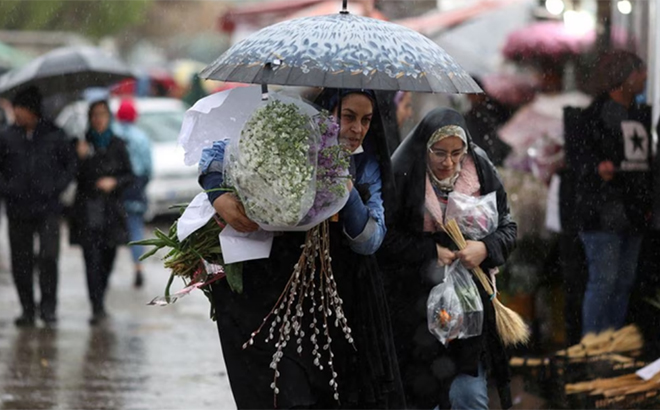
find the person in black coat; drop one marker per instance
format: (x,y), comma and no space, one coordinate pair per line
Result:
(99,225)
(367,375)
(613,201)
(436,159)
(36,165)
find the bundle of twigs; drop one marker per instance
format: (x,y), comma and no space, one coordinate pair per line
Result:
(311,290)
(529,361)
(615,386)
(510,326)
(626,339)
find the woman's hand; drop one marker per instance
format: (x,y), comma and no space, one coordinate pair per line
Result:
(231,211)
(473,255)
(106,184)
(82,149)
(445,255)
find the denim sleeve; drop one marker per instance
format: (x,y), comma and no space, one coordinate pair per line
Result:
(211,168)
(212,158)
(364,224)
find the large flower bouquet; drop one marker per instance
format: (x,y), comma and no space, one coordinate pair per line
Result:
(287,168)
(291,174)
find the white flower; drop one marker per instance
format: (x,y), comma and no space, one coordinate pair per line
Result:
(272,168)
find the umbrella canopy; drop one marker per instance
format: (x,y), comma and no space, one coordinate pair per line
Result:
(342,51)
(65,70)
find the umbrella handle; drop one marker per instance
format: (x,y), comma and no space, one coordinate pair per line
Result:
(264,92)
(344,7)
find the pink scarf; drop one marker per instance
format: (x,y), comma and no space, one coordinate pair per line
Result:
(467,184)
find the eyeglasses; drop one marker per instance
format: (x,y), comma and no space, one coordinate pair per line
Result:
(441,156)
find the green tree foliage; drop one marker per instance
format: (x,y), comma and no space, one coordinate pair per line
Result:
(94,18)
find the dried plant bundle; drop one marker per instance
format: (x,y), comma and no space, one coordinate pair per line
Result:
(615,386)
(530,362)
(626,339)
(510,326)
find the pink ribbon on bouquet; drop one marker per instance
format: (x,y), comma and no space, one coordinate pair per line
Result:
(215,272)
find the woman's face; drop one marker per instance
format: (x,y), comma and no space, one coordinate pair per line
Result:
(404,110)
(445,155)
(356,113)
(100,118)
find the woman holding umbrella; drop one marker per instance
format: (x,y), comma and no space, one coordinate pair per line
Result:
(435,160)
(104,171)
(367,376)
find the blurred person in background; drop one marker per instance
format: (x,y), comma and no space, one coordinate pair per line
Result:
(404,108)
(135,195)
(36,165)
(613,190)
(483,120)
(397,111)
(195,91)
(99,225)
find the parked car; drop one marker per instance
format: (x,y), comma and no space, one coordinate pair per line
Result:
(160,118)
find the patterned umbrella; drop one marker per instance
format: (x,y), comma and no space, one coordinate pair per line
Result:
(342,51)
(65,70)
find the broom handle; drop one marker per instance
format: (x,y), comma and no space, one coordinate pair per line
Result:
(461,243)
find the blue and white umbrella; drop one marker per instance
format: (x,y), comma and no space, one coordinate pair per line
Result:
(342,51)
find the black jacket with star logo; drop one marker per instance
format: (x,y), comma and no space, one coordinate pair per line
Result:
(612,132)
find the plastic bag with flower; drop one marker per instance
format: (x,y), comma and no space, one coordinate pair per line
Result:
(444,311)
(477,216)
(287,168)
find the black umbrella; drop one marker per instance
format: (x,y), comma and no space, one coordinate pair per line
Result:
(66,70)
(342,51)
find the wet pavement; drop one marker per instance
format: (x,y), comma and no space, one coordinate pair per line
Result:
(143,357)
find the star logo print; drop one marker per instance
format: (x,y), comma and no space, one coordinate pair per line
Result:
(637,142)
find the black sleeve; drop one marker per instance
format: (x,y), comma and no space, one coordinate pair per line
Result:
(66,156)
(3,161)
(402,246)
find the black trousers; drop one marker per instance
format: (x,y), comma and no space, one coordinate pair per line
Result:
(99,260)
(21,240)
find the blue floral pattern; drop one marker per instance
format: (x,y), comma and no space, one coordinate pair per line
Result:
(345,51)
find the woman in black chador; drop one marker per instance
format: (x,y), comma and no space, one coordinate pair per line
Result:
(367,376)
(98,224)
(436,159)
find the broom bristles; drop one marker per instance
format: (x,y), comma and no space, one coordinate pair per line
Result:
(510,326)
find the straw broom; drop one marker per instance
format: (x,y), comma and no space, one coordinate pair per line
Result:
(510,326)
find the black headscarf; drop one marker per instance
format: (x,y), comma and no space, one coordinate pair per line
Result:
(375,142)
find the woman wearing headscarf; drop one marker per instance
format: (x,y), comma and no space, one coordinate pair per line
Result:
(435,160)
(367,375)
(99,222)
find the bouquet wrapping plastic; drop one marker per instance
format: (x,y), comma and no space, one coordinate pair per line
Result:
(287,168)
